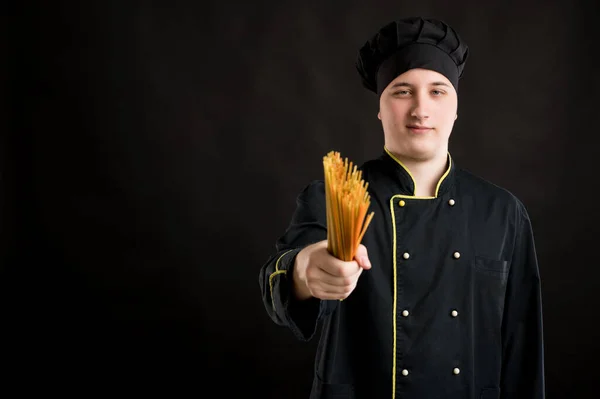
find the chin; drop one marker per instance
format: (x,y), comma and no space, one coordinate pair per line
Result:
(416,150)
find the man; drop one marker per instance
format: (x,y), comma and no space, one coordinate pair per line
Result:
(443,299)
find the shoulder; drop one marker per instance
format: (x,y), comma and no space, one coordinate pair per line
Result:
(372,165)
(485,191)
(316,187)
(312,193)
(374,169)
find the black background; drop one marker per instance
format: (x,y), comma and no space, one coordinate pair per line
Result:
(154,152)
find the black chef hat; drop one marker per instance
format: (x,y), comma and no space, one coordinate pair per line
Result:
(408,43)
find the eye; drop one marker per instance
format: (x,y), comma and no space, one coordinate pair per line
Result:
(401,93)
(437,92)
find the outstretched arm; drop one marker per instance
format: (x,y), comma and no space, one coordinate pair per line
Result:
(308,226)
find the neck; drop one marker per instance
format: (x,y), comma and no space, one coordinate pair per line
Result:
(426,174)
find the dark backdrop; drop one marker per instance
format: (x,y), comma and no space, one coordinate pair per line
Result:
(156,149)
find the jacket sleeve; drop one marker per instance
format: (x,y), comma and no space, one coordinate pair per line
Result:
(307,226)
(522,327)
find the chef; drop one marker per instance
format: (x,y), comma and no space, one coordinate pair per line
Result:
(443,298)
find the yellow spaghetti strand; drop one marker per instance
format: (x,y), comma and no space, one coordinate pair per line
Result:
(347,202)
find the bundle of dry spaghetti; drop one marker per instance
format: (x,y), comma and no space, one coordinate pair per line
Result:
(347,201)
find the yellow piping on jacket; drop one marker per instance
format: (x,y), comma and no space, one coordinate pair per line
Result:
(394,256)
(275,273)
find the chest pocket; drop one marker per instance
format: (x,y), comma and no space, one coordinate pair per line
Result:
(490,277)
(493,268)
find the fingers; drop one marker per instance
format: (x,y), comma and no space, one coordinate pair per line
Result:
(324,290)
(328,277)
(318,274)
(337,268)
(326,286)
(362,257)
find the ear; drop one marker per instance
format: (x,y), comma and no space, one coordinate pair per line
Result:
(379,115)
(456,117)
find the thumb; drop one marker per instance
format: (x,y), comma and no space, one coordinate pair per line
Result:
(362,257)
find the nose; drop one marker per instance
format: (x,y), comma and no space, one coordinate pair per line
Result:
(420,107)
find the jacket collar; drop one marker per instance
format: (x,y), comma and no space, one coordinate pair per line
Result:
(405,180)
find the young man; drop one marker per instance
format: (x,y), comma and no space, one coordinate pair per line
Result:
(443,299)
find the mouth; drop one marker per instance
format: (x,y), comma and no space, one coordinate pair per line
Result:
(419,128)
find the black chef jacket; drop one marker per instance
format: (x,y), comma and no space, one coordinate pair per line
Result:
(451,307)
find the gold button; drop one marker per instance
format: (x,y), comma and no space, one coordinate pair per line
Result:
(451,202)
(401,203)
(406,255)
(454,313)
(457,255)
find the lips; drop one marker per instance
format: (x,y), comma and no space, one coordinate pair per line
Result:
(419,128)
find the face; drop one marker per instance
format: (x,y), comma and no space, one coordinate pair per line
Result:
(417,111)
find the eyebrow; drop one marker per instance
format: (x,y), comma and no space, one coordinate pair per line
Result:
(398,84)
